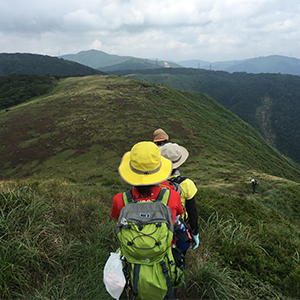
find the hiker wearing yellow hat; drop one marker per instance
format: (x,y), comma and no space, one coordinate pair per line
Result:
(160,137)
(146,216)
(144,168)
(185,186)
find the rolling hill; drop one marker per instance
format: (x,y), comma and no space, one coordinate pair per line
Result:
(263,64)
(27,63)
(19,88)
(108,62)
(86,117)
(58,169)
(268,102)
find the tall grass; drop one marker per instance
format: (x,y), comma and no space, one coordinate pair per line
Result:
(258,242)
(56,236)
(48,252)
(30,240)
(207,281)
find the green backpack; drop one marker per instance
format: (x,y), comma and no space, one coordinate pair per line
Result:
(145,232)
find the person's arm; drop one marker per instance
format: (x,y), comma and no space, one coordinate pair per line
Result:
(118,204)
(188,192)
(192,211)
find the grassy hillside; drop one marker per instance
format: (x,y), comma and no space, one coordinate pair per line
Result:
(132,64)
(27,63)
(82,130)
(269,102)
(18,88)
(57,232)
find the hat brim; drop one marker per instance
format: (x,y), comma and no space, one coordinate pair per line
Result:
(183,158)
(129,176)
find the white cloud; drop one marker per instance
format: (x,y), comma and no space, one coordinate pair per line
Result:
(177,30)
(81,20)
(96,45)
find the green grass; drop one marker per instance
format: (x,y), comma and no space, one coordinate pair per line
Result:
(57,235)
(207,281)
(85,118)
(56,231)
(54,243)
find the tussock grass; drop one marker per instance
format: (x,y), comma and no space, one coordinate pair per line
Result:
(54,241)
(57,235)
(30,239)
(209,282)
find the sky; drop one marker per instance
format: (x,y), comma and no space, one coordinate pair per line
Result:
(172,30)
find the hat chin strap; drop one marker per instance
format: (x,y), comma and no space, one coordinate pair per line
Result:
(139,172)
(177,160)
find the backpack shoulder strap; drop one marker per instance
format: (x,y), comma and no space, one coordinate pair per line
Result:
(168,279)
(127,197)
(177,179)
(163,196)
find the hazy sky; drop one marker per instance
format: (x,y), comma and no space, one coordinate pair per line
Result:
(211,30)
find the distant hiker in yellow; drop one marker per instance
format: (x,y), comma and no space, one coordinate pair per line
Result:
(178,155)
(160,137)
(254,184)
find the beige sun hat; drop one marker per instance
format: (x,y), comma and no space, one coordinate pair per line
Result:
(175,153)
(144,165)
(160,135)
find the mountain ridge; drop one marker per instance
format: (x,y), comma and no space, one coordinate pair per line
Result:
(44,65)
(263,64)
(110,62)
(245,95)
(86,62)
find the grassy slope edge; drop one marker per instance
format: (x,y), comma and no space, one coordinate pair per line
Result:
(83,129)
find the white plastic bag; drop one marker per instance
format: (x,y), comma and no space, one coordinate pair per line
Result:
(113,275)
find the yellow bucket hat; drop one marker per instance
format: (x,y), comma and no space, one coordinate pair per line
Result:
(144,165)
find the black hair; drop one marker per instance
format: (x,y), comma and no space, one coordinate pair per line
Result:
(160,143)
(144,189)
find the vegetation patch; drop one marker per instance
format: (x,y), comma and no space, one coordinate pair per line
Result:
(31,164)
(28,143)
(87,157)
